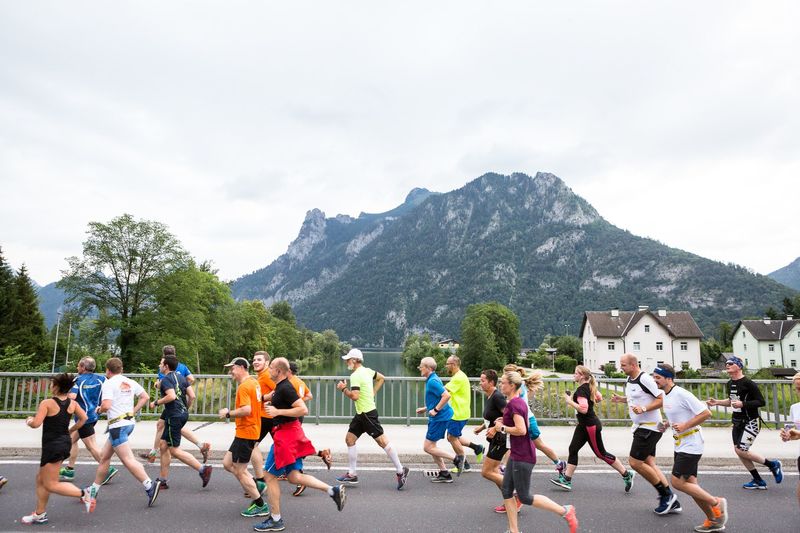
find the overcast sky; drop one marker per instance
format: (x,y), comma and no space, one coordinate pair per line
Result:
(227,121)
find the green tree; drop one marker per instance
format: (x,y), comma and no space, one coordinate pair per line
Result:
(6,300)
(489,337)
(417,347)
(283,311)
(726,336)
(121,265)
(27,324)
(569,345)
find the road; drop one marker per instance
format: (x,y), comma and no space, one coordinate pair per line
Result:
(375,505)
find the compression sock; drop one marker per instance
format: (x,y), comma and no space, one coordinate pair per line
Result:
(392,453)
(756,475)
(474,447)
(352,459)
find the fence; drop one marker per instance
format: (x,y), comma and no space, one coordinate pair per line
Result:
(20,394)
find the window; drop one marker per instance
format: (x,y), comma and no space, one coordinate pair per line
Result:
(744,334)
(659,346)
(745,347)
(684,346)
(637,346)
(647,328)
(610,346)
(771,347)
(659,362)
(794,363)
(791,347)
(772,362)
(614,364)
(685,365)
(746,362)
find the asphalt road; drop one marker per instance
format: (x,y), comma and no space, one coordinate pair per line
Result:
(376,506)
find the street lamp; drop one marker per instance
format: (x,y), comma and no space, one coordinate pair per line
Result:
(566,330)
(55,347)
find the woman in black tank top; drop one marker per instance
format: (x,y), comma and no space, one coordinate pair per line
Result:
(54,414)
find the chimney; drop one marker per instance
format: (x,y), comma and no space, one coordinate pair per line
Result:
(789,317)
(644,307)
(662,312)
(767,320)
(615,312)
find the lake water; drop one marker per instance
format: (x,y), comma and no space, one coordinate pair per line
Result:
(387,363)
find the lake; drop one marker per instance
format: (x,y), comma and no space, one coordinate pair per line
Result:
(387,363)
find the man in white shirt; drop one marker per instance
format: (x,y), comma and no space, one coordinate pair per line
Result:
(117,395)
(684,414)
(644,401)
(791,431)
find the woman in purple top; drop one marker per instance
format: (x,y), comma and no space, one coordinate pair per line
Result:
(517,476)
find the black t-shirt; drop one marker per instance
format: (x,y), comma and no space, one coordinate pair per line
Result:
(493,408)
(746,391)
(590,418)
(176,381)
(283,398)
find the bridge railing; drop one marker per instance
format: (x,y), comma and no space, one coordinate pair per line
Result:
(20,394)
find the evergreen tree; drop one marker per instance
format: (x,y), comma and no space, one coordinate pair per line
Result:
(478,350)
(6,300)
(28,330)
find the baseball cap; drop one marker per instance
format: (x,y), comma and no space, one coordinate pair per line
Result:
(355,353)
(241,361)
(733,360)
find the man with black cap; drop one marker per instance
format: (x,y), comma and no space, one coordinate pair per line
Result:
(745,398)
(247,414)
(364,384)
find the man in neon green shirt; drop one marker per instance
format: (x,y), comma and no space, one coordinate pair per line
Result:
(364,384)
(460,397)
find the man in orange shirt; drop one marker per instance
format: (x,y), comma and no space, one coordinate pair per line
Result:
(248,427)
(261,366)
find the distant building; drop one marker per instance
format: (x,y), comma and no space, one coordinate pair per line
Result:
(765,343)
(448,344)
(654,337)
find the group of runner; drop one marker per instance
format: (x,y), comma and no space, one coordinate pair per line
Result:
(274,402)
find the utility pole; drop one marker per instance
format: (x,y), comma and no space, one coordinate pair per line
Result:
(69,337)
(55,347)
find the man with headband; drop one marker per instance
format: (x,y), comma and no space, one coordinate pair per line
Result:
(685,413)
(745,399)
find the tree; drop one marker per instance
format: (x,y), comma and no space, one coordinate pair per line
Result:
(6,300)
(27,324)
(417,347)
(283,311)
(570,345)
(489,337)
(726,336)
(119,271)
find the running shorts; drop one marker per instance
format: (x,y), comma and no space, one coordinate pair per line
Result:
(56,451)
(266,428)
(269,465)
(644,443)
(497,447)
(366,423)
(436,430)
(685,465)
(744,433)
(86,430)
(119,436)
(172,429)
(242,449)
(455,427)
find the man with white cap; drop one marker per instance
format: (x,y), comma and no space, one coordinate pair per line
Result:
(364,384)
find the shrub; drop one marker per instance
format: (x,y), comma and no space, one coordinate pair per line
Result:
(541,360)
(565,364)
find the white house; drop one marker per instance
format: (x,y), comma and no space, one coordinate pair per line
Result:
(654,337)
(765,343)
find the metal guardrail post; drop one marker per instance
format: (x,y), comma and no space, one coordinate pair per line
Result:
(317,407)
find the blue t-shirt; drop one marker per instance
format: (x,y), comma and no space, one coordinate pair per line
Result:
(176,381)
(87,389)
(182,369)
(434,388)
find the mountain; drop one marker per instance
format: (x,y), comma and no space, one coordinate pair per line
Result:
(527,242)
(51,299)
(788,275)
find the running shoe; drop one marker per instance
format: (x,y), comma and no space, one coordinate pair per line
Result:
(205,449)
(163,485)
(339,496)
(571,519)
(665,503)
(561,481)
(298,490)
(34,518)
(88,500)
(3,481)
(502,468)
(676,508)
(270,525)
(348,479)
(152,494)
(111,473)
(205,474)
(479,453)
(709,525)
(459,460)
(501,509)
(255,510)
(628,479)
(66,474)
(721,512)
(325,455)
(755,484)
(443,477)
(149,456)
(561,466)
(402,478)
(776,467)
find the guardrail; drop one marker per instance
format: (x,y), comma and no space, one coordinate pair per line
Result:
(20,394)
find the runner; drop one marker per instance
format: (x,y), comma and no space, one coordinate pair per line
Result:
(684,414)
(644,401)
(247,413)
(177,397)
(54,413)
(86,391)
(517,476)
(460,399)
(791,431)
(117,396)
(439,413)
(589,429)
(290,446)
(266,386)
(188,434)
(745,398)
(362,393)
